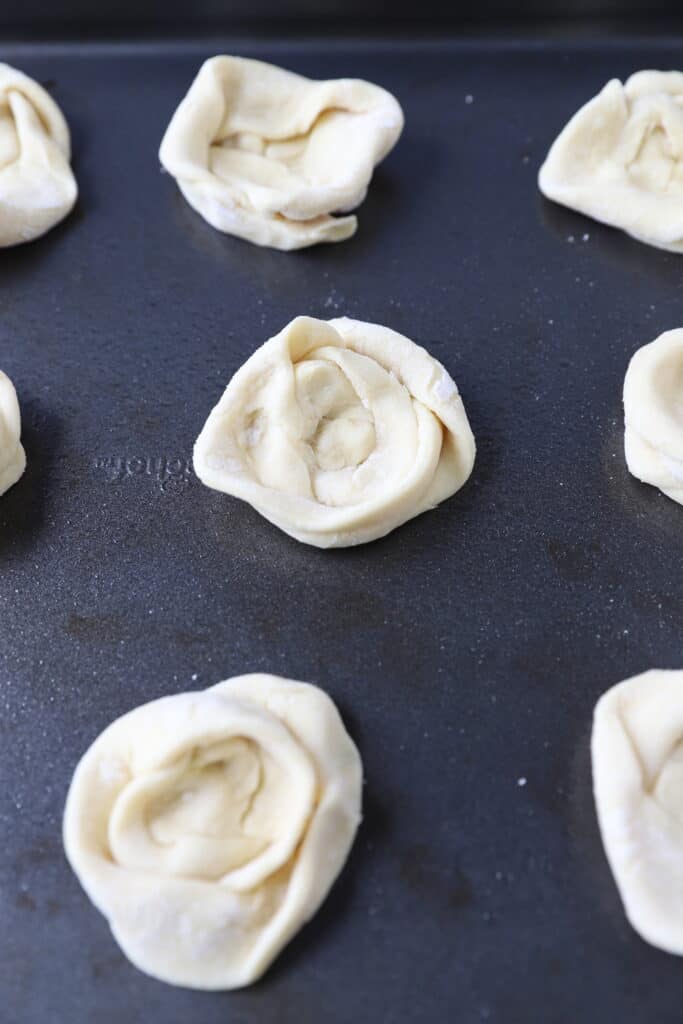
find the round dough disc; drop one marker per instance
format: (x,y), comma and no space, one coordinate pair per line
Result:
(338,431)
(208,827)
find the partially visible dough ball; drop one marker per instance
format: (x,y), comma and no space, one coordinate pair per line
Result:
(637,750)
(653,414)
(271,156)
(208,827)
(620,159)
(37,187)
(338,431)
(12,456)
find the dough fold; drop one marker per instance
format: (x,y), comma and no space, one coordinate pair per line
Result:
(12,456)
(620,159)
(270,156)
(653,414)
(637,752)
(37,187)
(208,827)
(338,431)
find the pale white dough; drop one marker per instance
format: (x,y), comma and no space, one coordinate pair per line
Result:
(653,414)
(338,431)
(637,750)
(620,159)
(12,457)
(37,187)
(270,156)
(209,826)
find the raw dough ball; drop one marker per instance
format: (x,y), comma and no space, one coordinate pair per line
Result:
(209,827)
(653,413)
(620,159)
(337,432)
(268,155)
(37,187)
(12,457)
(637,750)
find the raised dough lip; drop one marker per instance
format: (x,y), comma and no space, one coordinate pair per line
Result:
(245,223)
(383,106)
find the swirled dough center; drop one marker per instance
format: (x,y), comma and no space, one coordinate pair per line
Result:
(338,431)
(347,408)
(203,816)
(208,827)
(336,434)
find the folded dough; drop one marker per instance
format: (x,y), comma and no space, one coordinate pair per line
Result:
(620,159)
(338,431)
(269,156)
(653,414)
(12,456)
(37,187)
(637,750)
(208,827)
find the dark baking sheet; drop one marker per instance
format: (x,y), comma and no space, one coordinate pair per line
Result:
(465,651)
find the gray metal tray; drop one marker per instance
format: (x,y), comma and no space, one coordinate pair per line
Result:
(465,651)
